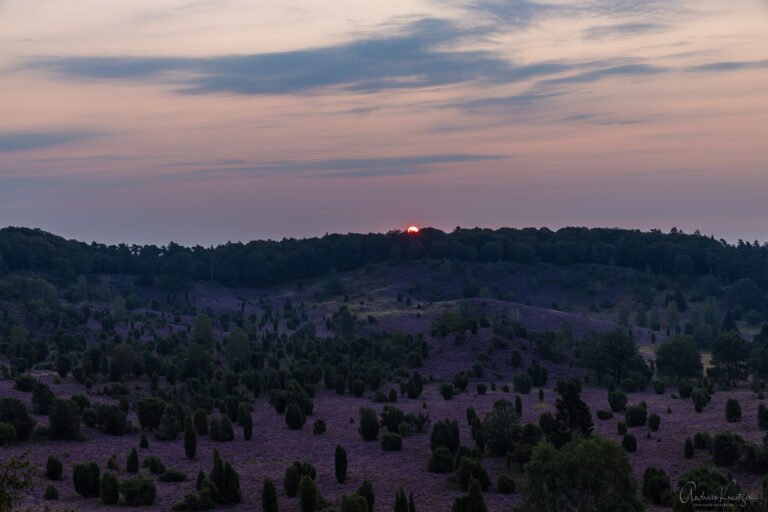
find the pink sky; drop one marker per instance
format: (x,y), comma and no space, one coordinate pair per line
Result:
(207,121)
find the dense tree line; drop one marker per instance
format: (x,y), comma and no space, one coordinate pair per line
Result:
(262,263)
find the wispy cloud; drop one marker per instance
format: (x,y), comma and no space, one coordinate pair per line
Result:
(411,57)
(628,8)
(603,72)
(188,8)
(623,30)
(342,167)
(521,100)
(24,141)
(729,66)
(512,13)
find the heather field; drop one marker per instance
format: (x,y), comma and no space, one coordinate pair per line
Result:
(477,327)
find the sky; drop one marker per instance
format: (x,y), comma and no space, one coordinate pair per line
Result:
(205,121)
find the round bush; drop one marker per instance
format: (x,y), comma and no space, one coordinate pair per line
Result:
(621,428)
(391,442)
(702,440)
(470,467)
(369,424)
(440,461)
(354,503)
(725,448)
(86,479)
(318,427)
(357,387)
(172,475)
(138,491)
(14,412)
(445,433)
(700,398)
(617,400)
(294,474)
(629,443)
(654,421)
(109,491)
(522,383)
(154,464)
(64,419)
(294,416)
(656,486)
(220,429)
(732,410)
(635,416)
(604,415)
(150,411)
(51,493)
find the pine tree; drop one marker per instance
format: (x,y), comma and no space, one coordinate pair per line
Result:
(688,451)
(340,464)
(217,476)
(109,491)
(269,496)
(572,416)
(230,488)
(475,499)
(401,502)
(366,491)
(132,464)
(247,423)
(201,422)
(190,438)
(309,497)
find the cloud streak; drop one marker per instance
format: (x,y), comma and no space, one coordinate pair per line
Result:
(26,141)
(343,167)
(623,30)
(412,57)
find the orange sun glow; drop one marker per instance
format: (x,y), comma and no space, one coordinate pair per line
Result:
(412,230)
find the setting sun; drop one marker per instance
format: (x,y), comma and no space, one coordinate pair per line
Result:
(412,230)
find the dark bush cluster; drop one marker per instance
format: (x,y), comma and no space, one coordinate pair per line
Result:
(64,419)
(86,478)
(294,474)
(732,410)
(391,442)
(656,486)
(636,415)
(138,491)
(220,429)
(617,400)
(369,424)
(14,412)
